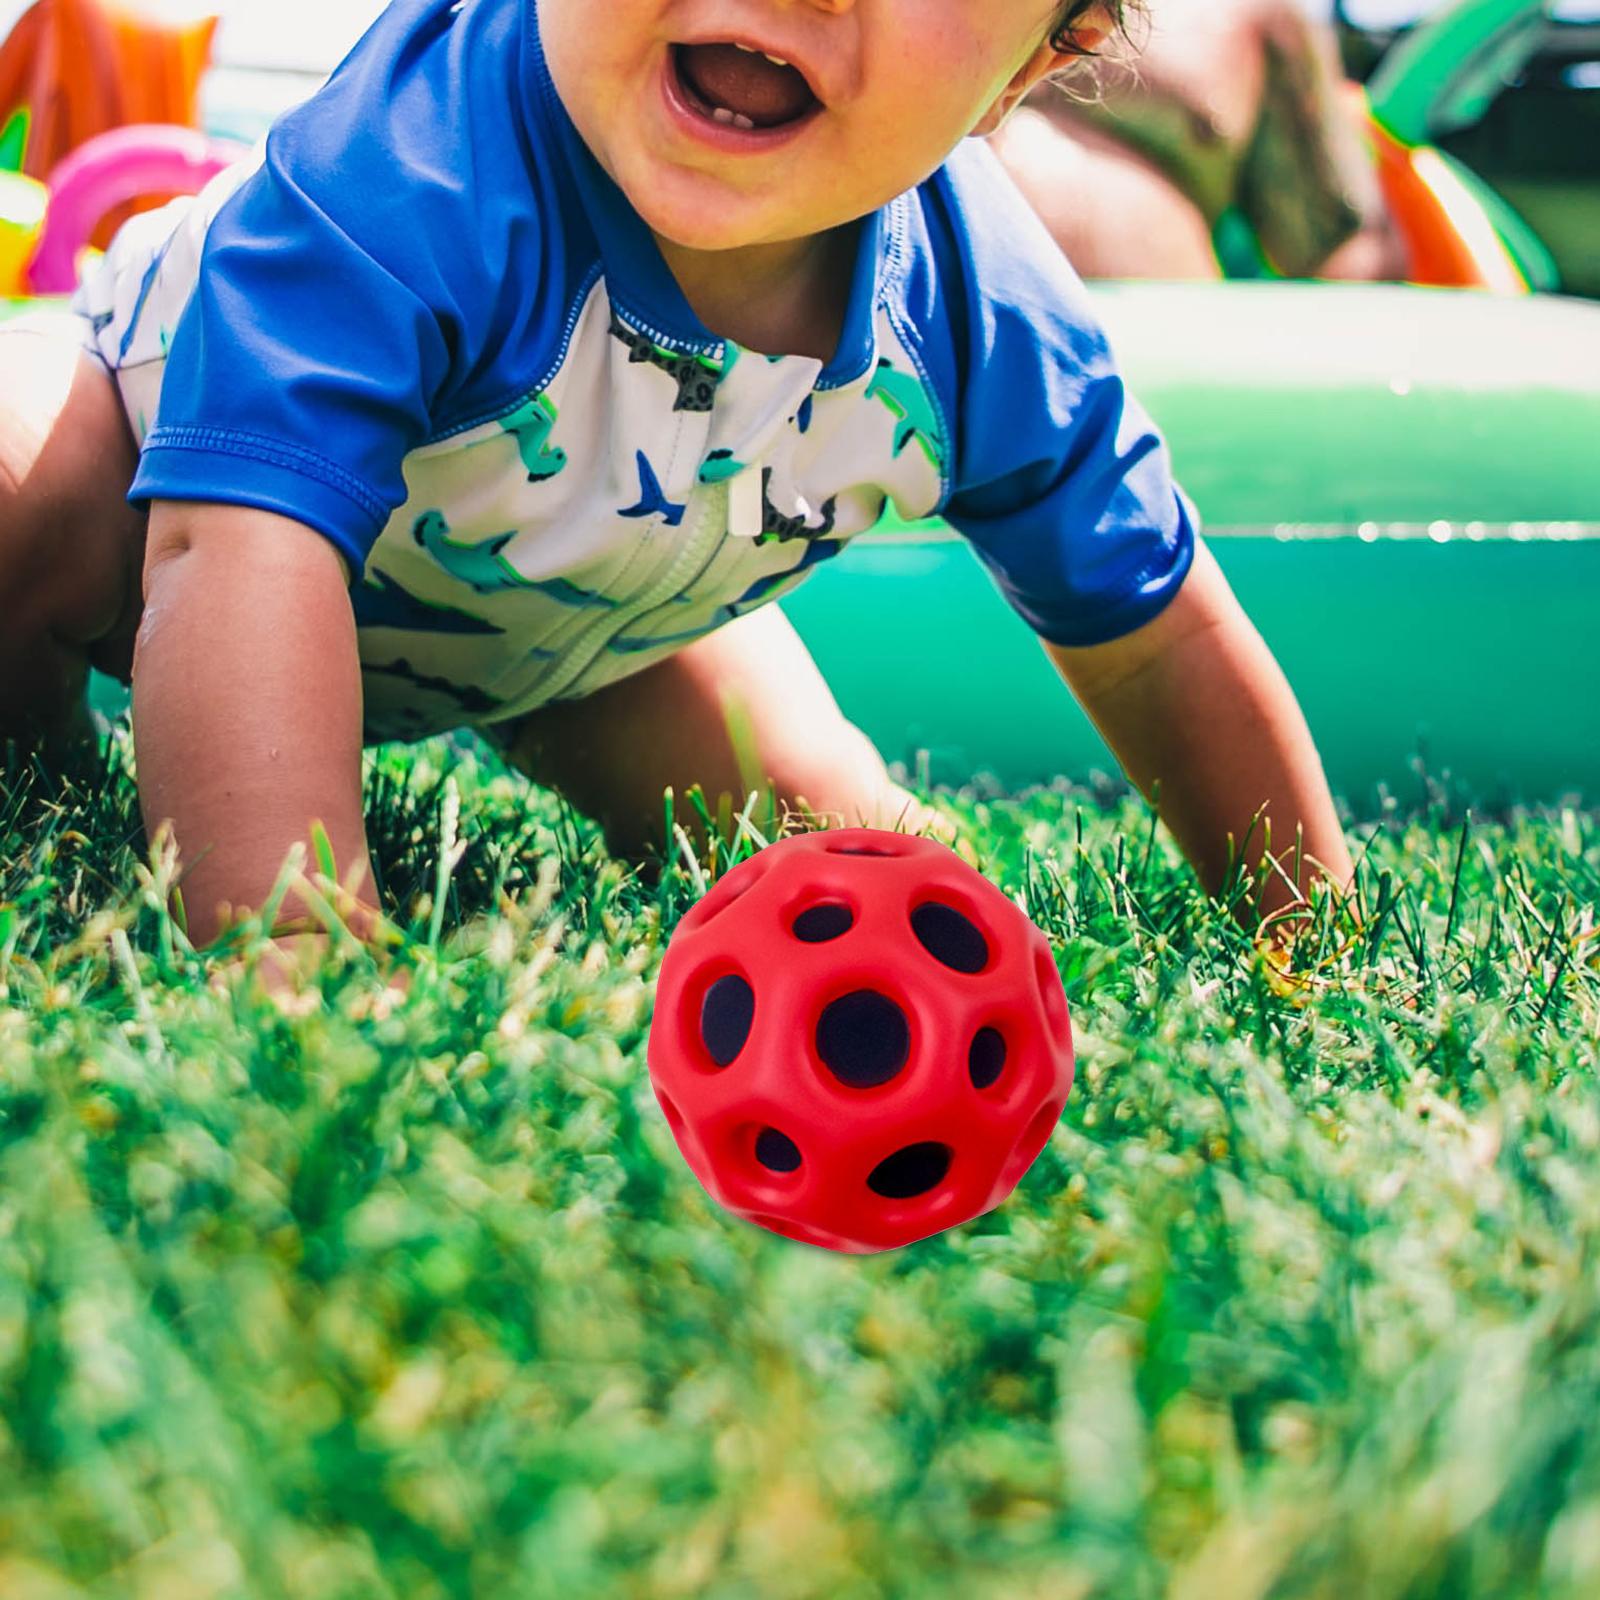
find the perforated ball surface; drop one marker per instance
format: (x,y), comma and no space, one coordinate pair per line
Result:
(858,1040)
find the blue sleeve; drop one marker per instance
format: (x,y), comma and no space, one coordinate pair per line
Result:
(335,292)
(1060,481)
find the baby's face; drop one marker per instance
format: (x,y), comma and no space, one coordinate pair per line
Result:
(718,147)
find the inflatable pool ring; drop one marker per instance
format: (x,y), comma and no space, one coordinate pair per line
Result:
(112,169)
(1399,483)
(83,67)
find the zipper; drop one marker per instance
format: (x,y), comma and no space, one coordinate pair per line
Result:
(697,552)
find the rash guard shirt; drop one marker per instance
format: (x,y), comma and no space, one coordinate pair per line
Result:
(422,320)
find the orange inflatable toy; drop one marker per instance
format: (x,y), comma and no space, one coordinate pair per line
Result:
(1449,239)
(83,67)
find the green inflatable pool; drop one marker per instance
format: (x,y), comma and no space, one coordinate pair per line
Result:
(1403,486)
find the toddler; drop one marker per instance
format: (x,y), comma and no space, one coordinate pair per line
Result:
(530,361)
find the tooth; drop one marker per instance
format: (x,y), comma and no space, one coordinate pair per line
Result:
(777,61)
(722,114)
(742,121)
(748,49)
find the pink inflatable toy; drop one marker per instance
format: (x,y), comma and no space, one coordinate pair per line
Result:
(108,171)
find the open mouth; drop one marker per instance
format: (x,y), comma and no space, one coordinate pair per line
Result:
(737,87)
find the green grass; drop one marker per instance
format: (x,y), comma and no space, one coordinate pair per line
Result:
(1300,1300)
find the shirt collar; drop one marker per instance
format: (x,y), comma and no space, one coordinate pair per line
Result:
(638,278)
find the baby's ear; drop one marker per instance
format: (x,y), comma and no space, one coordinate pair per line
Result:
(1045,60)
(1087,31)
(1086,37)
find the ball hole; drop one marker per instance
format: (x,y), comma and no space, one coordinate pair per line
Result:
(777,1152)
(738,880)
(673,1115)
(863,842)
(864,1039)
(819,924)
(713,903)
(725,1018)
(911,1171)
(1031,1145)
(949,937)
(986,1057)
(781,1226)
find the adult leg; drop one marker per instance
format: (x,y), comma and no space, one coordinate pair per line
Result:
(71,548)
(613,752)
(1113,212)
(1233,102)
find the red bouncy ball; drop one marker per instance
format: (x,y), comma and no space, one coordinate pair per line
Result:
(858,1040)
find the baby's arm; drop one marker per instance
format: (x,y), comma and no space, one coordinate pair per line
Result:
(1195,699)
(247,707)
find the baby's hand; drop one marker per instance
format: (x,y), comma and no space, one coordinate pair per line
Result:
(286,973)
(286,967)
(908,814)
(922,818)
